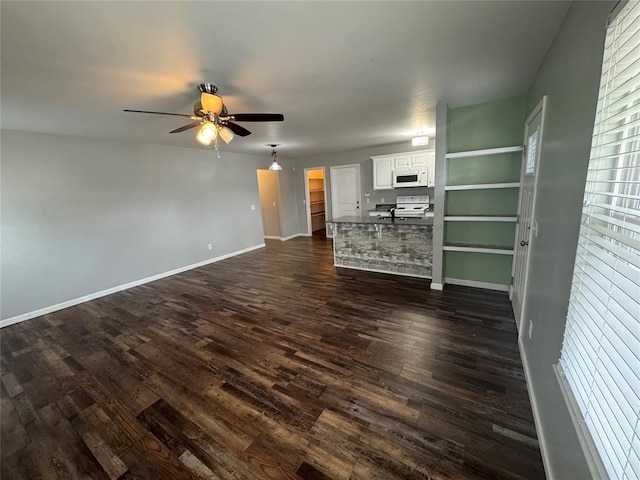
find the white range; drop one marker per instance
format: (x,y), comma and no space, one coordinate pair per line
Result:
(412,206)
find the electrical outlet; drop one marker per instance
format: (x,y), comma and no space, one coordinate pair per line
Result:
(368,200)
(253,207)
(530,328)
(210,246)
(382,200)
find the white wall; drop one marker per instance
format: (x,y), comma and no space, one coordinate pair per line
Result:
(570,77)
(82,215)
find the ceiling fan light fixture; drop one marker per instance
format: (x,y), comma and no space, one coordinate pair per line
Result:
(225,134)
(274,165)
(207,133)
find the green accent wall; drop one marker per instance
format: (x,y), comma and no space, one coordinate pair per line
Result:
(502,201)
(495,124)
(502,168)
(488,125)
(478,267)
(497,234)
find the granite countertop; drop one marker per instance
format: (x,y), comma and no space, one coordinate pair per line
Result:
(366,220)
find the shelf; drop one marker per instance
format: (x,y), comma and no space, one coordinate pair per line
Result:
(317,214)
(481,153)
(317,190)
(495,249)
(482,186)
(480,218)
(316,203)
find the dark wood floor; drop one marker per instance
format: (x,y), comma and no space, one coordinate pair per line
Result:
(270,365)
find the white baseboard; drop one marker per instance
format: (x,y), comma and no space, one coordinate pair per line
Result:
(284,239)
(119,288)
(472,283)
(437,286)
(544,450)
(382,271)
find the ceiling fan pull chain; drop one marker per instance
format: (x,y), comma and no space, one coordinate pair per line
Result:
(215,144)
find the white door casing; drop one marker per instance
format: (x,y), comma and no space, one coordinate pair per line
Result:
(526,211)
(345,190)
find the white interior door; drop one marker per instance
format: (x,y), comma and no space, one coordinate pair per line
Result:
(526,229)
(345,190)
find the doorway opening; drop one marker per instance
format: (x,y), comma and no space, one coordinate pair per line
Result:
(315,192)
(269,192)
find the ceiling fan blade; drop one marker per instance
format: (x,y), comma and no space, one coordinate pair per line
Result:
(258,117)
(211,103)
(161,113)
(186,127)
(237,129)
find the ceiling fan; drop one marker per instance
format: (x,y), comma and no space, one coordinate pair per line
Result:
(213,118)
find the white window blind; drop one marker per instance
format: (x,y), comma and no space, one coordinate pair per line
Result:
(600,361)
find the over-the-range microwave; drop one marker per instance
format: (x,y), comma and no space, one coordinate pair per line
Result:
(415,177)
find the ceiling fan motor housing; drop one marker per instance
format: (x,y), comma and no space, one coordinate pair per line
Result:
(208,88)
(197,109)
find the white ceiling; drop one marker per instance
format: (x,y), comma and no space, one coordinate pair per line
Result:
(346,75)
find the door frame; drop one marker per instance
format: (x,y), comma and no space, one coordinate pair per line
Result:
(540,108)
(307,196)
(333,191)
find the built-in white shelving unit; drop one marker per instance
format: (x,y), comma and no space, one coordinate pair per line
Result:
(499,250)
(482,153)
(463,216)
(316,204)
(479,218)
(482,186)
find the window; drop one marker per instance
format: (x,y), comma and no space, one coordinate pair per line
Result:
(599,367)
(530,166)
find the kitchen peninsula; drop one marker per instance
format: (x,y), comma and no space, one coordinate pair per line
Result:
(399,246)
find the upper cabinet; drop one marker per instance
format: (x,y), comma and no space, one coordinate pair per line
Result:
(413,160)
(384,165)
(382,172)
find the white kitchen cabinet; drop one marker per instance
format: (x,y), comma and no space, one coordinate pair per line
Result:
(382,172)
(402,161)
(430,158)
(383,166)
(410,160)
(419,160)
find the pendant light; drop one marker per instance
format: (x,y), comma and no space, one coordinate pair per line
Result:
(275,165)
